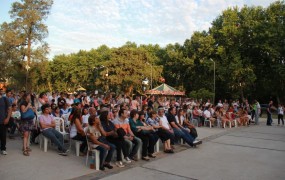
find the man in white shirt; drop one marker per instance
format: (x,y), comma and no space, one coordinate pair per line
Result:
(207,115)
(165,124)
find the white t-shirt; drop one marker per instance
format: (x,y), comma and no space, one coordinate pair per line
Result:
(164,121)
(73,131)
(85,119)
(69,101)
(280,111)
(16,114)
(207,114)
(182,118)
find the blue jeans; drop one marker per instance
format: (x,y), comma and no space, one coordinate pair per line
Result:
(105,155)
(184,134)
(55,137)
(133,146)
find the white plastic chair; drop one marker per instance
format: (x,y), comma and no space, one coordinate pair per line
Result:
(91,148)
(60,127)
(157,146)
(194,120)
(43,140)
(65,118)
(208,120)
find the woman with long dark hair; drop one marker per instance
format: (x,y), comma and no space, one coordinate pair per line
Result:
(76,130)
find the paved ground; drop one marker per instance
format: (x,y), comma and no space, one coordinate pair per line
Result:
(255,152)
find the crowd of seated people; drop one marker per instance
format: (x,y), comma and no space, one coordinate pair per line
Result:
(122,123)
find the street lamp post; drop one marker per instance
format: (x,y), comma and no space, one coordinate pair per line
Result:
(151,74)
(151,77)
(214,80)
(27,68)
(144,85)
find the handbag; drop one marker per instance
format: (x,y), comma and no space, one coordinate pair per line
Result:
(193,132)
(28,115)
(121,132)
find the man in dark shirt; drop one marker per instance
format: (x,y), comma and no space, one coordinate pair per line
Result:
(179,131)
(61,100)
(5,114)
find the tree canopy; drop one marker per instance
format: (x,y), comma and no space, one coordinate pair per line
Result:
(247,45)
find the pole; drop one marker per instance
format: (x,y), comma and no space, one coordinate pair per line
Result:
(27,80)
(214,81)
(151,78)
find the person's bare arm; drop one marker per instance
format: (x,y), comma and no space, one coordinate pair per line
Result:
(79,127)
(95,141)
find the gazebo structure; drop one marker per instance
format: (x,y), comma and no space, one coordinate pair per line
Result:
(165,90)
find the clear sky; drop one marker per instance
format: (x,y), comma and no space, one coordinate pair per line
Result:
(86,24)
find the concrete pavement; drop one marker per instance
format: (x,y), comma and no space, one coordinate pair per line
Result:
(245,153)
(255,152)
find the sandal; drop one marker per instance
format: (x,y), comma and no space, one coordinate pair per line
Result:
(27,149)
(26,153)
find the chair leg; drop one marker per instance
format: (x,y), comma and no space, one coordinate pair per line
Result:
(45,144)
(157,146)
(139,153)
(87,158)
(77,147)
(97,159)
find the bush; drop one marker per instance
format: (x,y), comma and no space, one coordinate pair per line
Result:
(203,94)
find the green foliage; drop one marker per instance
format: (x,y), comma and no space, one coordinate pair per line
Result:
(24,36)
(203,94)
(247,45)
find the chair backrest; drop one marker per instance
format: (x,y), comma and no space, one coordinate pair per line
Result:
(59,124)
(90,145)
(65,118)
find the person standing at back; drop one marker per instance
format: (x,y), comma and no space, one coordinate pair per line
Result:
(280,114)
(269,113)
(5,114)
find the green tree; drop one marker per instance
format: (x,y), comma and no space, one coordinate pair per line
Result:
(25,35)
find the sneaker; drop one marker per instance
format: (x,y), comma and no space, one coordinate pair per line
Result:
(102,168)
(4,152)
(127,159)
(197,142)
(120,164)
(62,153)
